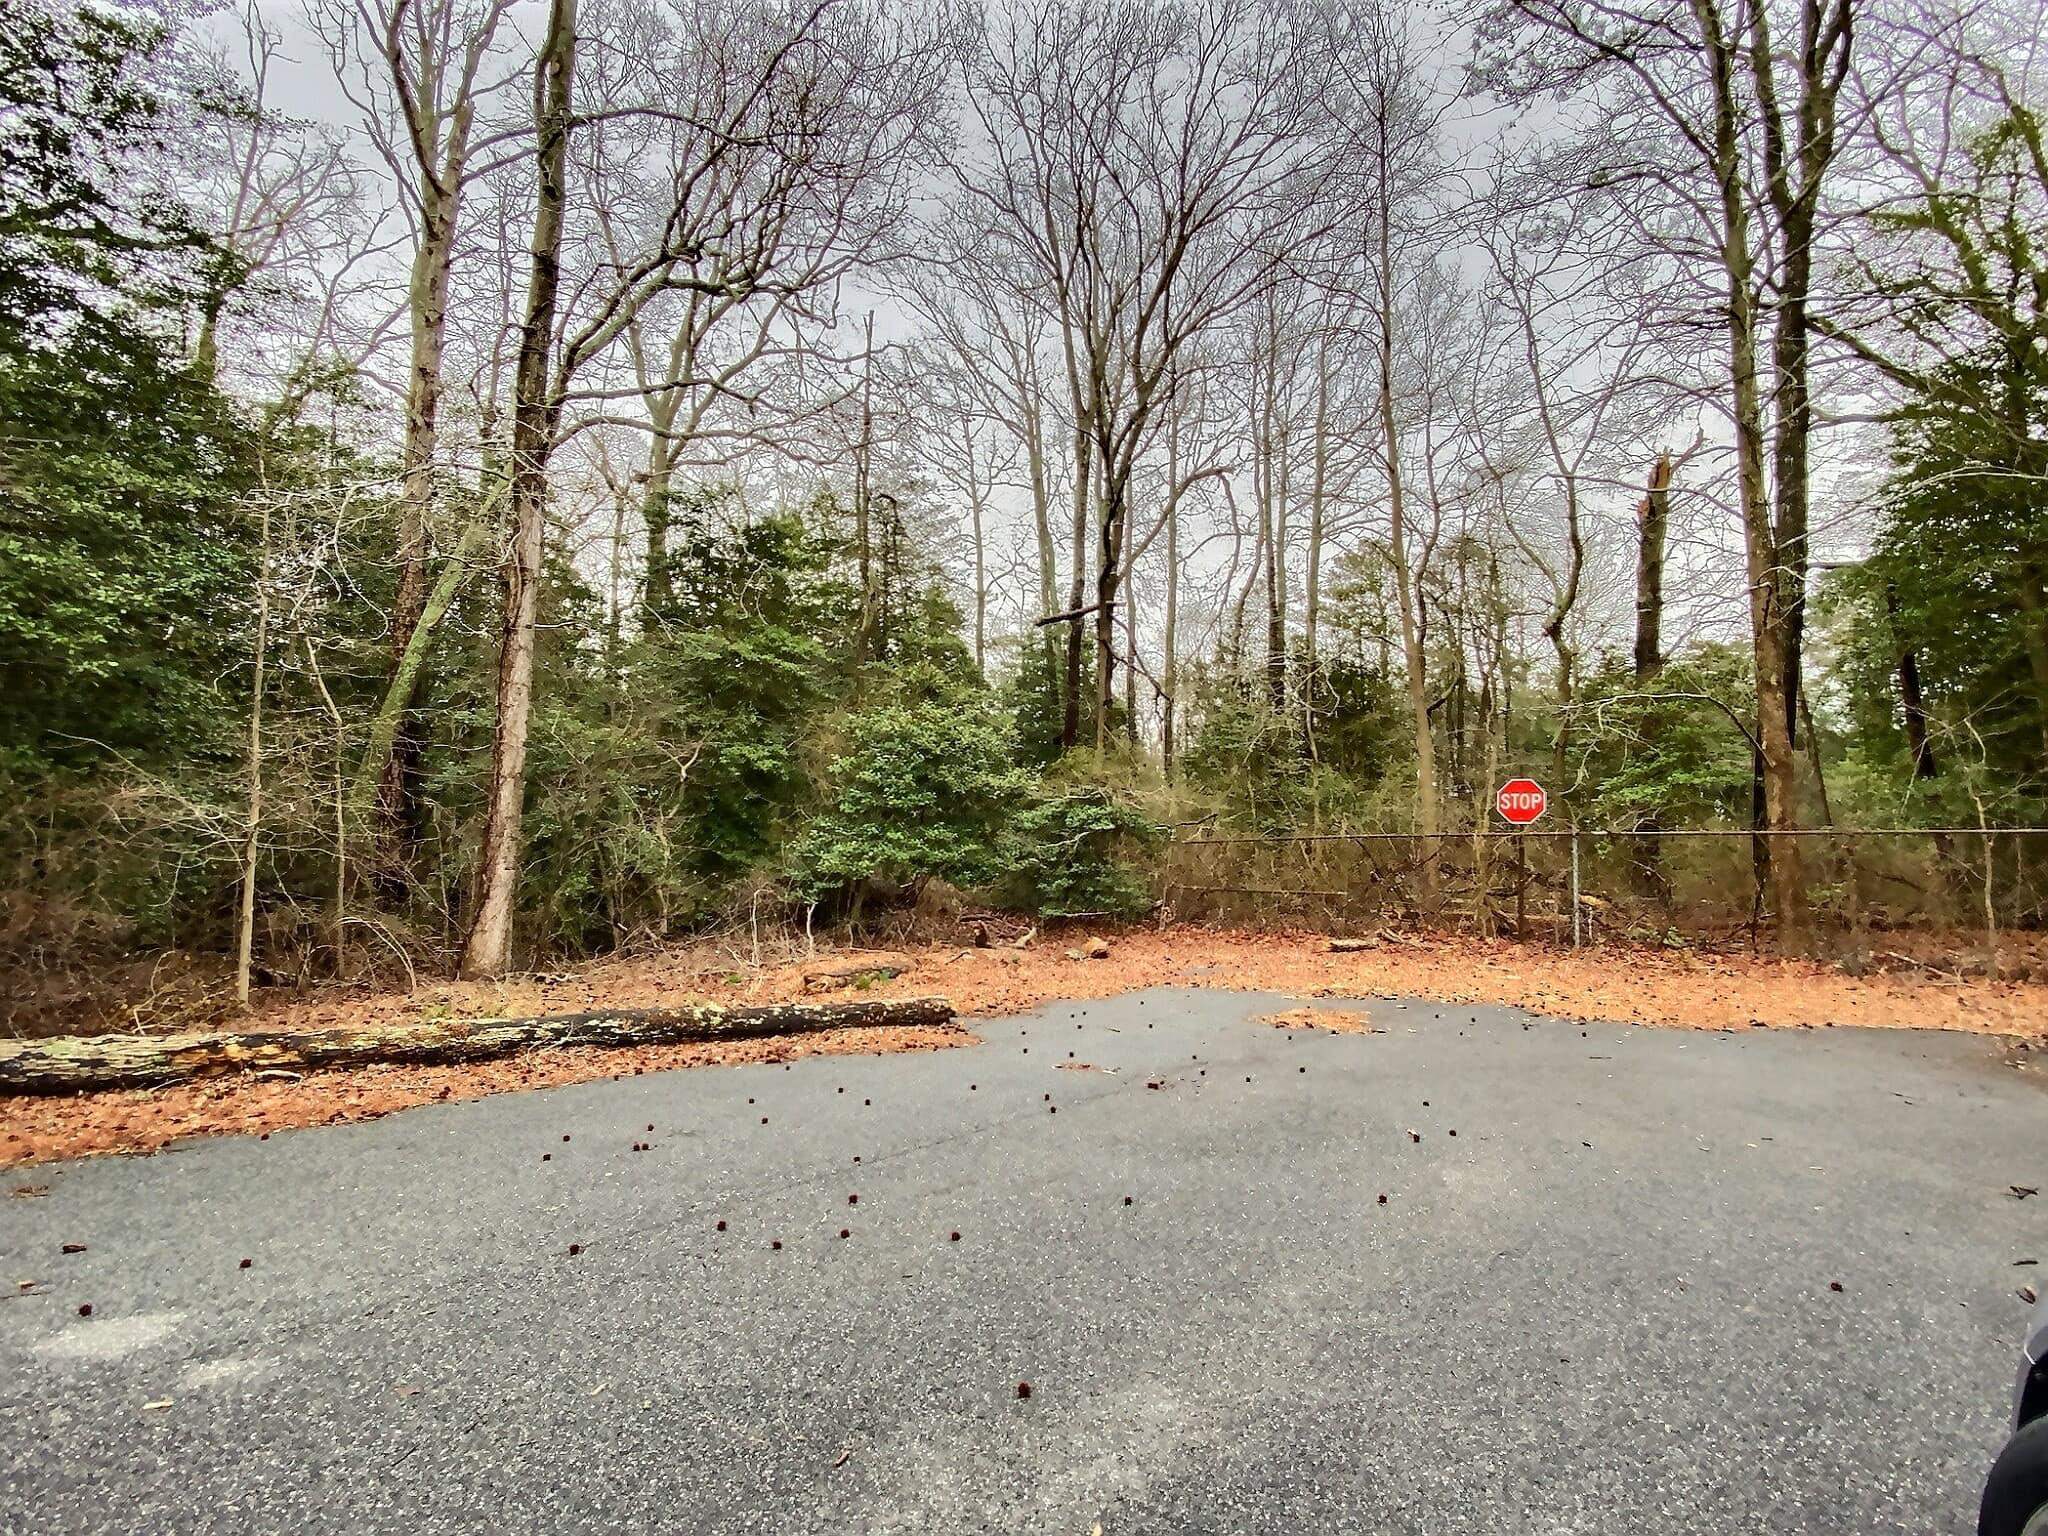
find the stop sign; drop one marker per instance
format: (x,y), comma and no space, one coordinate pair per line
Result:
(1521,801)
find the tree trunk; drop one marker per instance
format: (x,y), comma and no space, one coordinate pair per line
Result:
(1774,648)
(1318,494)
(1404,597)
(1041,513)
(863,524)
(1653,525)
(1077,587)
(974,502)
(398,772)
(90,1063)
(487,950)
(1397,526)
(1912,701)
(384,725)
(2034,637)
(657,593)
(245,924)
(1110,558)
(1272,452)
(1169,661)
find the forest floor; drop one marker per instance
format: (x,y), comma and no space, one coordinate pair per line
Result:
(1664,988)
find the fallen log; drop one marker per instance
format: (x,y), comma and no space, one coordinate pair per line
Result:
(844,970)
(83,1063)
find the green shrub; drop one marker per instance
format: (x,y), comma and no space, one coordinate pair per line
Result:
(1067,850)
(922,790)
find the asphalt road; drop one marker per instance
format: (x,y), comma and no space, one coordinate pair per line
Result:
(1603,1306)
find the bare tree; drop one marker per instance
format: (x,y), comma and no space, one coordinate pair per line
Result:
(418,72)
(1398,172)
(1734,134)
(780,71)
(536,415)
(1148,164)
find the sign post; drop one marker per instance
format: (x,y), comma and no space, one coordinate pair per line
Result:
(1521,801)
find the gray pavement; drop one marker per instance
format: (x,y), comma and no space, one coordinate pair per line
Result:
(1603,1306)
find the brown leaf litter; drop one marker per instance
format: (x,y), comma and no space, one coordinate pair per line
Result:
(1611,983)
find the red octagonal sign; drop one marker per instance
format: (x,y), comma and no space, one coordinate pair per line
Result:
(1521,801)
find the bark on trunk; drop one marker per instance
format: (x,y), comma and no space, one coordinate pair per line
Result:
(1397,529)
(245,922)
(1109,572)
(1077,587)
(863,525)
(488,947)
(1169,662)
(1404,597)
(1319,485)
(974,502)
(1773,644)
(657,593)
(1653,526)
(440,202)
(1911,699)
(89,1063)
(385,724)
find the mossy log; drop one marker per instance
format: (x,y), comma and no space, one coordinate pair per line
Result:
(83,1063)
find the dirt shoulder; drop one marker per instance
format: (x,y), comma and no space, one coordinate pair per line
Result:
(1651,987)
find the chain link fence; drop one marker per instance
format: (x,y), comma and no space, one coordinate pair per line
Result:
(1581,886)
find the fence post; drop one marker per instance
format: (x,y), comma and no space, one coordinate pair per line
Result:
(1990,906)
(1575,887)
(1521,888)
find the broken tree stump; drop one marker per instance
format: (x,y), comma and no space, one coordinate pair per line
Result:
(84,1063)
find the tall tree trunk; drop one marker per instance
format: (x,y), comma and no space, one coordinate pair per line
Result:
(1911,700)
(1130,603)
(1397,533)
(657,592)
(252,828)
(535,412)
(1041,513)
(1269,537)
(1653,524)
(1273,510)
(980,593)
(1318,494)
(1771,638)
(384,724)
(976,496)
(1108,572)
(1077,586)
(1169,661)
(863,522)
(398,787)
(441,181)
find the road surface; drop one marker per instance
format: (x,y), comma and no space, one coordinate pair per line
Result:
(1603,1305)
